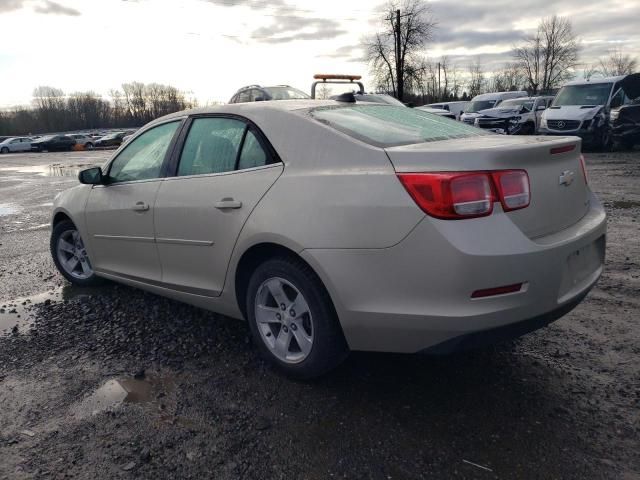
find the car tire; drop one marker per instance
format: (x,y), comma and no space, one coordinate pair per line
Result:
(605,143)
(70,257)
(88,146)
(4,150)
(303,344)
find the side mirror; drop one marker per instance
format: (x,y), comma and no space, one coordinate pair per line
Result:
(91,176)
(541,107)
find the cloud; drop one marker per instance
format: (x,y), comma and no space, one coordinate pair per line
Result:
(9,5)
(49,7)
(349,53)
(289,28)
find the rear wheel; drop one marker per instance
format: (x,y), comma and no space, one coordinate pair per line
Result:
(70,256)
(292,319)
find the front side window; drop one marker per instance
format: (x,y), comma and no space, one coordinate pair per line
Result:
(142,158)
(211,146)
(389,126)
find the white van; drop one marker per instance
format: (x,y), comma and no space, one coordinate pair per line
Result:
(583,107)
(457,108)
(485,101)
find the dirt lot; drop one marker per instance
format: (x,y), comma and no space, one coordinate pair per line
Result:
(115,382)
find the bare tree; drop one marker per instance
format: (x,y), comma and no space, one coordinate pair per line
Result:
(549,57)
(394,53)
(617,63)
(49,105)
(476,79)
(324,92)
(509,78)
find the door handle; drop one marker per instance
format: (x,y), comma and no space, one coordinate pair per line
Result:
(141,207)
(228,203)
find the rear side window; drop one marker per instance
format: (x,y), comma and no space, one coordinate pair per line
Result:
(389,126)
(252,154)
(211,146)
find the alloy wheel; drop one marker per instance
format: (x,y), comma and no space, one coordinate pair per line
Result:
(72,255)
(284,320)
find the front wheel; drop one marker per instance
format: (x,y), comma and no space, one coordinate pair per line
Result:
(4,150)
(70,256)
(292,319)
(88,146)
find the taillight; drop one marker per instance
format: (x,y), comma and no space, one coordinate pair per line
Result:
(584,169)
(458,195)
(513,189)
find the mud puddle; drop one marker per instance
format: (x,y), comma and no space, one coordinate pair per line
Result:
(147,390)
(53,170)
(18,315)
(8,209)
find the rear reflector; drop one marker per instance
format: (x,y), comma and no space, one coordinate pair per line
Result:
(563,149)
(490,292)
(458,195)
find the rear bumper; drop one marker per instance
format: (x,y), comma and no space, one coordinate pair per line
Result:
(416,296)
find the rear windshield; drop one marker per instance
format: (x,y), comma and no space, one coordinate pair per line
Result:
(389,126)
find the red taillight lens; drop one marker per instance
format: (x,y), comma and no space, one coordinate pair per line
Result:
(513,189)
(459,195)
(450,195)
(584,169)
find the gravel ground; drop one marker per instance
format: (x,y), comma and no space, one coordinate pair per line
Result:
(115,382)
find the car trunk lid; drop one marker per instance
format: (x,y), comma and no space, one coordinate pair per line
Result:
(559,194)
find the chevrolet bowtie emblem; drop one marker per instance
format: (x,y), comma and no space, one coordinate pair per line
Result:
(566,178)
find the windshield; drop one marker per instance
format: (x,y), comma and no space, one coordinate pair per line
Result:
(478,105)
(47,138)
(518,102)
(388,99)
(391,126)
(285,93)
(587,94)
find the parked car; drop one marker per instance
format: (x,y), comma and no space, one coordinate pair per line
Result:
(85,141)
(110,140)
(456,108)
(3,138)
(438,111)
(485,101)
(333,227)
(15,144)
(583,108)
(517,116)
(52,142)
(256,93)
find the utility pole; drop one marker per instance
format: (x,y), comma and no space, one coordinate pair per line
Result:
(399,78)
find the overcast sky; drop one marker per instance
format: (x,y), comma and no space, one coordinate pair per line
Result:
(213,47)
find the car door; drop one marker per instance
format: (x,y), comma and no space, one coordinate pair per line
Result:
(224,169)
(25,144)
(14,145)
(119,214)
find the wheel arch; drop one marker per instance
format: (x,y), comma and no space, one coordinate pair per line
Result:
(257,254)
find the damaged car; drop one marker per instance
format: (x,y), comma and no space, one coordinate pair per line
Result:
(517,116)
(624,117)
(583,108)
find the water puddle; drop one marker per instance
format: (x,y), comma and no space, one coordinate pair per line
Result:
(624,204)
(17,316)
(150,390)
(8,209)
(54,170)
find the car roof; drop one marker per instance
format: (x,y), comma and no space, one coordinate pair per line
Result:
(597,80)
(496,95)
(250,107)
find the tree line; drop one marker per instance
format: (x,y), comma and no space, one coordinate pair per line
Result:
(133,105)
(539,64)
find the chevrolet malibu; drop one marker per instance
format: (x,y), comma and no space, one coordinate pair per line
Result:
(333,227)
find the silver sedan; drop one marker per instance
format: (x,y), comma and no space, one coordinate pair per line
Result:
(15,144)
(333,227)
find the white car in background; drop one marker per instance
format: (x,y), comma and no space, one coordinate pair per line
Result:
(15,144)
(85,141)
(485,101)
(457,108)
(517,116)
(438,111)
